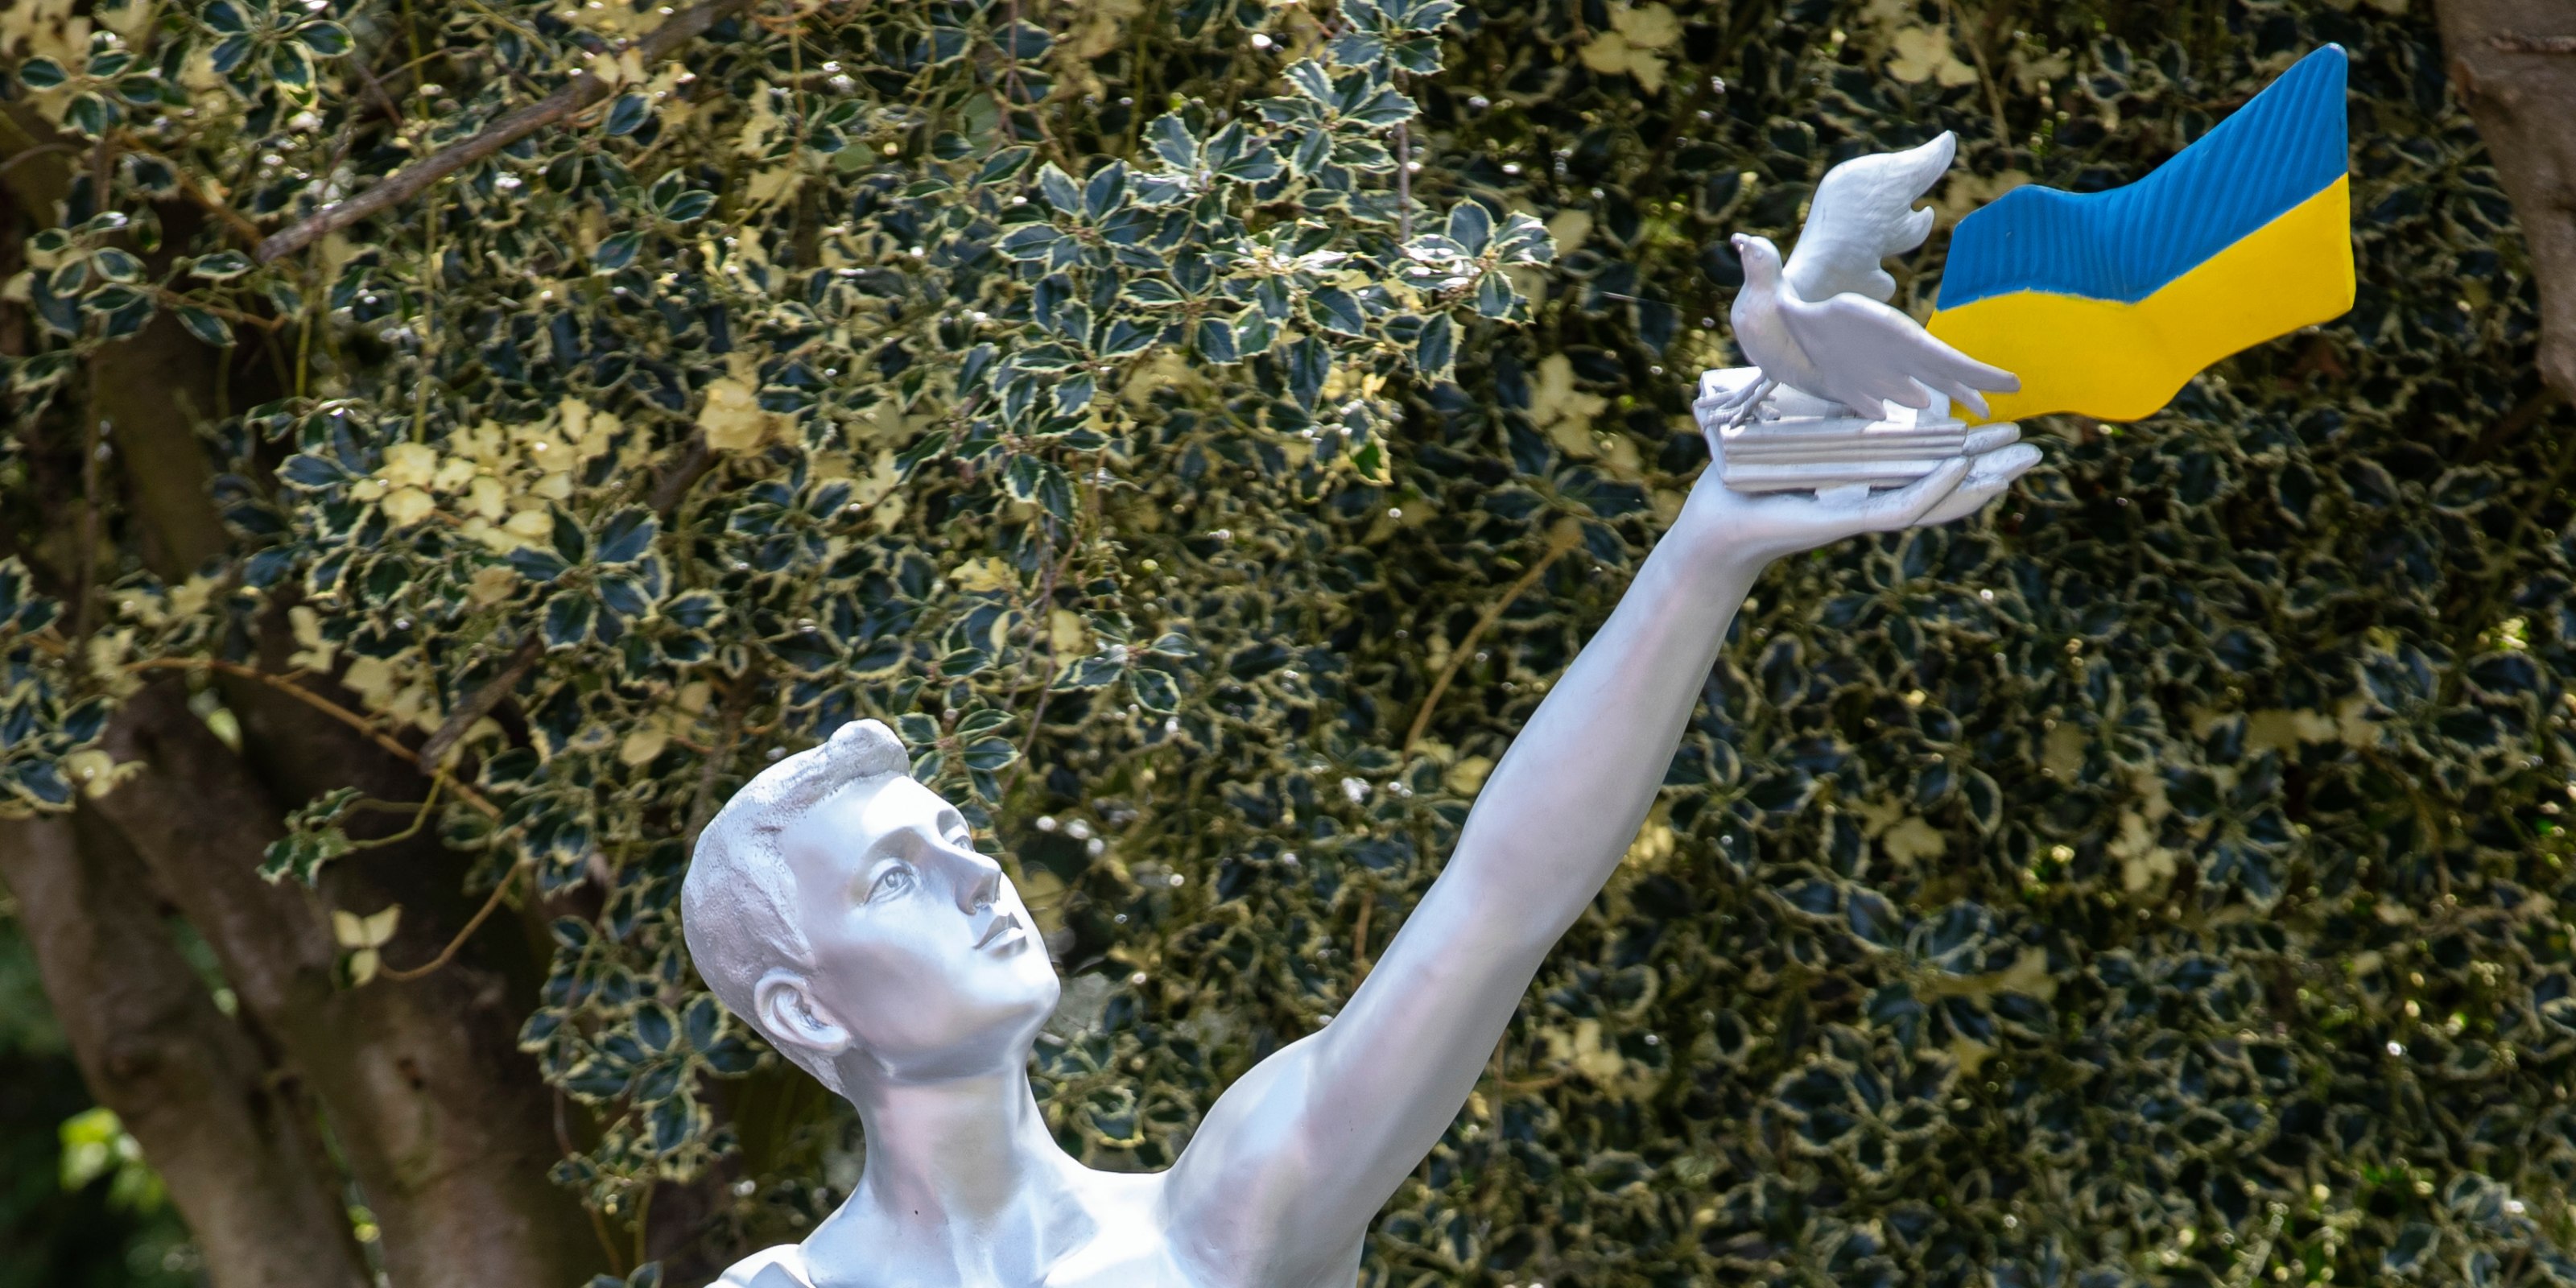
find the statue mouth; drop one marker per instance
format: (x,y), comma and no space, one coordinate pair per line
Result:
(1005,930)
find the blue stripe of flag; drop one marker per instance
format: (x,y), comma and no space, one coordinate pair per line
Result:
(2284,146)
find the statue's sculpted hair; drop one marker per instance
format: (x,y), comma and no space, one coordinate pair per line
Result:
(738,905)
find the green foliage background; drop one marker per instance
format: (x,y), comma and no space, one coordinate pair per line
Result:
(2155,880)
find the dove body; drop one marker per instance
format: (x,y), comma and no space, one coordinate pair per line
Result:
(1848,348)
(1820,324)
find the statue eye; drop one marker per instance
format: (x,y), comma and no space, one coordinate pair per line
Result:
(893,881)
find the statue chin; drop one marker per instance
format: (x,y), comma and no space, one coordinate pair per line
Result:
(977,1023)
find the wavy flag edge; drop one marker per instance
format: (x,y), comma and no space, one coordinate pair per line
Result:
(2107,303)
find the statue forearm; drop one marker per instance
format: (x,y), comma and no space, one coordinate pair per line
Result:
(1344,1113)
(1368,1095)
(1559,811)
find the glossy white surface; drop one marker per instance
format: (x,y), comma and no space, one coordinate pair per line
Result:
(1821,324)
(1799,442)
(856,927)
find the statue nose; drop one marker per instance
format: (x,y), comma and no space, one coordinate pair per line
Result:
(979,882)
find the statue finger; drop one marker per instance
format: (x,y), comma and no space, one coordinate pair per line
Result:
(1988,476)
(1904,507)
(1986,438)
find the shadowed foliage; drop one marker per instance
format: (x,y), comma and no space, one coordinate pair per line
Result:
(1204,429)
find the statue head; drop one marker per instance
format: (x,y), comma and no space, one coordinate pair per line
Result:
(1761,259)
(839,907)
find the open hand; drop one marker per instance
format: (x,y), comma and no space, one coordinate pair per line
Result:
(1758,528)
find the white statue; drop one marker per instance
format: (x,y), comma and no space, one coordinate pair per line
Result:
(1846,391)
(840,907)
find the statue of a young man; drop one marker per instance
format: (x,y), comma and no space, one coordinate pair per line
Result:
(840,908)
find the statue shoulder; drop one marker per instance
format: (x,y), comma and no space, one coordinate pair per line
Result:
(779,1267)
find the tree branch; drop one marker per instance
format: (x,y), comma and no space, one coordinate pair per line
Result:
(30,154)
(2514,42)
(695,459)
(1557,545)
(2522,105)
(479,703)
(231,1141)
(581,91)
(441,1119)
(735,707)
(456,945)
(318,703)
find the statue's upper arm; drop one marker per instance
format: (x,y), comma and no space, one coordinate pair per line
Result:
(1295,1159)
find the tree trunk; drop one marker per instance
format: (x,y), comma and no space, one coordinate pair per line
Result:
(2514,62)
(445,1125)
(232,1140)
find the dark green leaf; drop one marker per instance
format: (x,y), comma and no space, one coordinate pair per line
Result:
(222,265)
(568,619)
(628,114)
(41,73)
(325,39)
(1432,350)
(205,326)
(626,535)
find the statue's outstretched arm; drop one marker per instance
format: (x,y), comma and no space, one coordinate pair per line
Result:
(1297,1157)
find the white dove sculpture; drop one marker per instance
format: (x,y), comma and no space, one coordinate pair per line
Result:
(1822,325)
(1846,392)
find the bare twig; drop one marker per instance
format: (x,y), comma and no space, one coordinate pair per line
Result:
(1557,545)
(599,1226)
(480,702)
(1011,72)
(1404,181)
(91,447)
(643,1213)
(1985,74)
(2523,416)
(457,945)
(2513,42)
(1055,574)
(736,706)
(174,299)
(31,154)
(376,91)
(419,819)
(233,219)
(1043,631)
(695,459)
(575,94)
(318,703)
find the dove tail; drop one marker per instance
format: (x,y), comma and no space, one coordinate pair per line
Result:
(2106,303)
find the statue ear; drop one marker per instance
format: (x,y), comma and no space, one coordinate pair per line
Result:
(789,1014)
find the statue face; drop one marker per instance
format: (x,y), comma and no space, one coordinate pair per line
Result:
(924,954)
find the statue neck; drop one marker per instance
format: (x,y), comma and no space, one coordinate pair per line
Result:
(964,1165)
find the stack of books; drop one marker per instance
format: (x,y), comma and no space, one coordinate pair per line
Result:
(1799,442)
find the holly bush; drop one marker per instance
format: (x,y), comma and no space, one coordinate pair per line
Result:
(1205,428)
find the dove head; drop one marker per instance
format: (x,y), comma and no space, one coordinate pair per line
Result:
(1761,260)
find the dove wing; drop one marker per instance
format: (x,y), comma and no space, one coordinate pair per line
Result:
(1866,351)
(1862,213)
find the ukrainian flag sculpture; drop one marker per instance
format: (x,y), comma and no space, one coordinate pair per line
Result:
(2105,303)
(2100,303)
